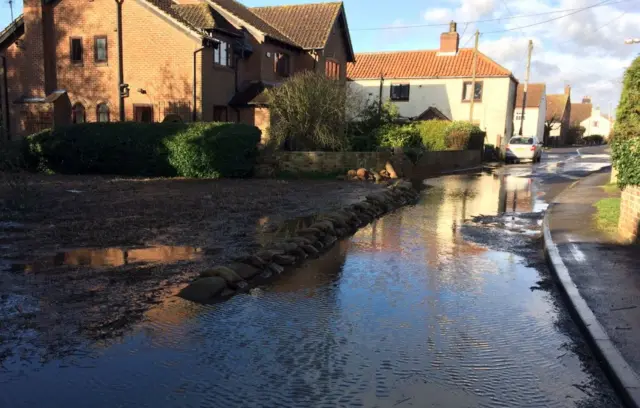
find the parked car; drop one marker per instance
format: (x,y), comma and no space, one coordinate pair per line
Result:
(524,148)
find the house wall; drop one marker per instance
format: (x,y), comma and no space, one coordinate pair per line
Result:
(219,82)
(531,125)
(596,124)
(336,49)
(494,113)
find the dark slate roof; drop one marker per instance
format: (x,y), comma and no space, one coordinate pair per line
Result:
(11,32)
(252,93)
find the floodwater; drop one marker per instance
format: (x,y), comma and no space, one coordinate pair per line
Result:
(418,309)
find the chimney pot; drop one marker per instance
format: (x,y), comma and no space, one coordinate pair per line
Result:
(586,99)
(453,26)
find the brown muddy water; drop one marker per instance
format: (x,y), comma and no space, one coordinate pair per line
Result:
(447,303)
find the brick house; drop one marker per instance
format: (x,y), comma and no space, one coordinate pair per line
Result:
(193,59)
(437,84)
(558,118)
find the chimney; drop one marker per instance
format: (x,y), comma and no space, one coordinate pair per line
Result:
(39,47)
(450,41)
(586,99)
(567,90)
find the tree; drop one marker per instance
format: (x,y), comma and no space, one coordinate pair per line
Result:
(627,123)
(310,112)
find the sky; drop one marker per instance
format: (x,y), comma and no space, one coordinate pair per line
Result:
(582,48)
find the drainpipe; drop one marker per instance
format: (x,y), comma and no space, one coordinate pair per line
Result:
(5,99)
(120,62)
(194,114)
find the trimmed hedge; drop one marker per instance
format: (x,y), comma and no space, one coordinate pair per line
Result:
(433,134)
(398,136)
(139,149)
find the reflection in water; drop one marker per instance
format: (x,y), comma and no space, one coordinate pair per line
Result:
(98,257)
(406,313)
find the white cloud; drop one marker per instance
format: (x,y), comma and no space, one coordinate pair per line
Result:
(585,49)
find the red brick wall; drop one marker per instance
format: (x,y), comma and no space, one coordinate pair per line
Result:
(630,213)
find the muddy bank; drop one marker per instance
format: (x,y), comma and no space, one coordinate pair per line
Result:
(85,257)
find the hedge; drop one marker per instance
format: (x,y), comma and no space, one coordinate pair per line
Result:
(433,134)
(138,149)
(625,154)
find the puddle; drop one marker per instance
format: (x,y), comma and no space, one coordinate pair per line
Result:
(101,257)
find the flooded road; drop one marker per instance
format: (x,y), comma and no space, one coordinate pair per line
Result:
(447,303)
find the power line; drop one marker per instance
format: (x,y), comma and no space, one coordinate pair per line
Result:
(511,14)
(553,19)
(576,10)
(599,28)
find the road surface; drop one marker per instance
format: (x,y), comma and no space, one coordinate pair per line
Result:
(447,303)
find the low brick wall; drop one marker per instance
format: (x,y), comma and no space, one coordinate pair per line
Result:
(429,163)
(630,213)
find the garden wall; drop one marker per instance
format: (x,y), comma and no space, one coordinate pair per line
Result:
(429,163)
(630,213)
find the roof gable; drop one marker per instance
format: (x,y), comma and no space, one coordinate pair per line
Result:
(580,112)
(535,93)
(308,25)
(423,64)
(12,32)
(231,9)
(556,105)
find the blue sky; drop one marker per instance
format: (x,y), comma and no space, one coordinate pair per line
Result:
(584,49)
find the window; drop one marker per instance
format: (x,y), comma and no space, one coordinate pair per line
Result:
(143,113)
(466,91)
(520,115)
(223,55)
(77,113)
(281,64)
(399,92)
(100,49)
(595,123)
(332,69)
(76,50)
(102,112)
(220,114)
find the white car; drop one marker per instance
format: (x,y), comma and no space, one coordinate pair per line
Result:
(524,148)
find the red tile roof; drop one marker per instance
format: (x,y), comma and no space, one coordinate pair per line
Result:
(535,92)
(580,112)
(556,104)
(423,64)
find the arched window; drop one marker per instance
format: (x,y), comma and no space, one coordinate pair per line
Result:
(102,112)
(77,113)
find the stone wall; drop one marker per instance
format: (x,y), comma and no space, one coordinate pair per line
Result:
(630,213)
(429,163)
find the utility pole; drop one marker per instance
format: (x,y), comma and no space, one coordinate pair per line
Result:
(526,85)
(380,98)
(473,76)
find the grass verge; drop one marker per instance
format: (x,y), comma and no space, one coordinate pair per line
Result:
(611,188)
(607,215)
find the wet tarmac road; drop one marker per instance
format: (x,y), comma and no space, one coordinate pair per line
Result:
(447,303)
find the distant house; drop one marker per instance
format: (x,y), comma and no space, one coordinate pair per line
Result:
(558,118)
(437,84)
(590,118)
(535,111)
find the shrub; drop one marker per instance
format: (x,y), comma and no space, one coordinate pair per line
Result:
(459,134)
(627,123)
(310,112)
(593,139)
(398,136)
(139,149)
(212,150)
(433,134)
(625,154)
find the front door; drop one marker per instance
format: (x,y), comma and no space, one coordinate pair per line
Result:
(143,113)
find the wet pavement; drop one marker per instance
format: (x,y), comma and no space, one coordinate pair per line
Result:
(447,303)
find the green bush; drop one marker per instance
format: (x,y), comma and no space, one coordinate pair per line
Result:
(433,134)
(460,133)
(139,149)
(212,150)
(398,136)
(625,154)
(627,124)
